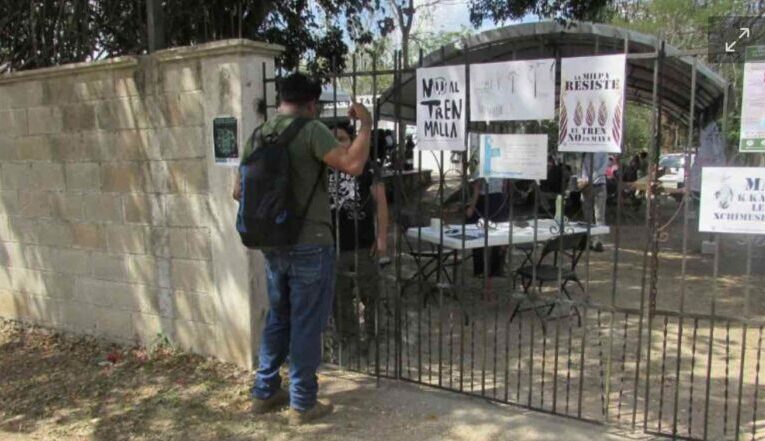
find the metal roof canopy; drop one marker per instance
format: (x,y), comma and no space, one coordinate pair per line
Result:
(550,40)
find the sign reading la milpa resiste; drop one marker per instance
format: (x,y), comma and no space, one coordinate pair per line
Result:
(752,138)
(513,156)
(512,90)
(441,108)
(591,104)
(732,200)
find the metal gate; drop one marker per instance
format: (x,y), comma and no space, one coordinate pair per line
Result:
(654,336)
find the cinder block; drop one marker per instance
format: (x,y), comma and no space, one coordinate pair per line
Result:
(80,317)
(182,143)
(81,146)
(195,307)
(67,206)
(127,83)
(17,176)
(191,275)
(59,286)
(126,239)
(100,207)
(74,262)
(8,149)
(187,210)
(148,327)
(159,179)
(124,177)
(159,242)
(83,176)
(9,307)
(114,324)
(23,230)
(38,257)
(178,243)
(5,231)
(183,109)
(196,337)
(11,254)
(44,120)
(9,202)
(115,115)
(109,267)
(143,208)
(181,76)
(88,236)
(142,269)
(35,203)
(13,123)
(77,117)
(127,145)
(190,176)
(53,233)
(27,280)
(48,176)
(14,97)
(199,246)
(33,148)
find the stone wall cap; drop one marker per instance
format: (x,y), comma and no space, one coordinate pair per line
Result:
(220,47)
(70,69)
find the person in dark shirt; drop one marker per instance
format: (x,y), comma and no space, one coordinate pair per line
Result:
(360,219)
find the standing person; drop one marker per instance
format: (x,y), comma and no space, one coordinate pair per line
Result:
(301,276)
(493,207)
(356,202)
(594,193)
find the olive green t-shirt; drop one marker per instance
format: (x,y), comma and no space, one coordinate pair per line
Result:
(307,152)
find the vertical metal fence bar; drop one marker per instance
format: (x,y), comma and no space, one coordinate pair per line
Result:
(747,289)
(383,286)
(756,385)
(684,262)
(693,370)
(397,233)
(651,241)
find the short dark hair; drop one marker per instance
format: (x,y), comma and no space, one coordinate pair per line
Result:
(298,88)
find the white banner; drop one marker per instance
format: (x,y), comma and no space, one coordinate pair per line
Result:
(441,108)
(752,134)
(512,90)
(513,156)
(732,200)
(591,104)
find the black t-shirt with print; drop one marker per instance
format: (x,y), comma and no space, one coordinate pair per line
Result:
(356,213)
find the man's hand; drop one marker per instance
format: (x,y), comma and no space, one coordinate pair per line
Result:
(358,111)
(469,212)
(581,184)
(237,193)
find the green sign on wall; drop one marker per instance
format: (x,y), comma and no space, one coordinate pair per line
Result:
(225,141)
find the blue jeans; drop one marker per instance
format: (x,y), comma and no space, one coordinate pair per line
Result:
(300,291)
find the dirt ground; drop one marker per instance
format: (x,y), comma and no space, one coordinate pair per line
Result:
(63,388)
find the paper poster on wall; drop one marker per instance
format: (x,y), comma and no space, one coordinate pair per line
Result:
(591,104)
(513,156)
(711,153)
(441,108)
(732,200)
(752,134)
(512,90)
(225,146)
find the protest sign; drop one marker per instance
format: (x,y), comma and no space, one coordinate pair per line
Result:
(732,200)
(514,156)
(512,90)
(752,134)
(441,108)
(591,104)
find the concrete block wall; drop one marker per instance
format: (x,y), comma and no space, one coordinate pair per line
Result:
(114,219)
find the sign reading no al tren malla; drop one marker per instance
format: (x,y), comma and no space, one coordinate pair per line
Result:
(732,200)
(591,104)
(441,108)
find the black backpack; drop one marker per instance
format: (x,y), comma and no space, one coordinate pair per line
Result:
(267,216)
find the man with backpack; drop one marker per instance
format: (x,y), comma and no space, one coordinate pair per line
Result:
(284,211)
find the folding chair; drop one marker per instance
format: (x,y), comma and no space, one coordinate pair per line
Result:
(571,246)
